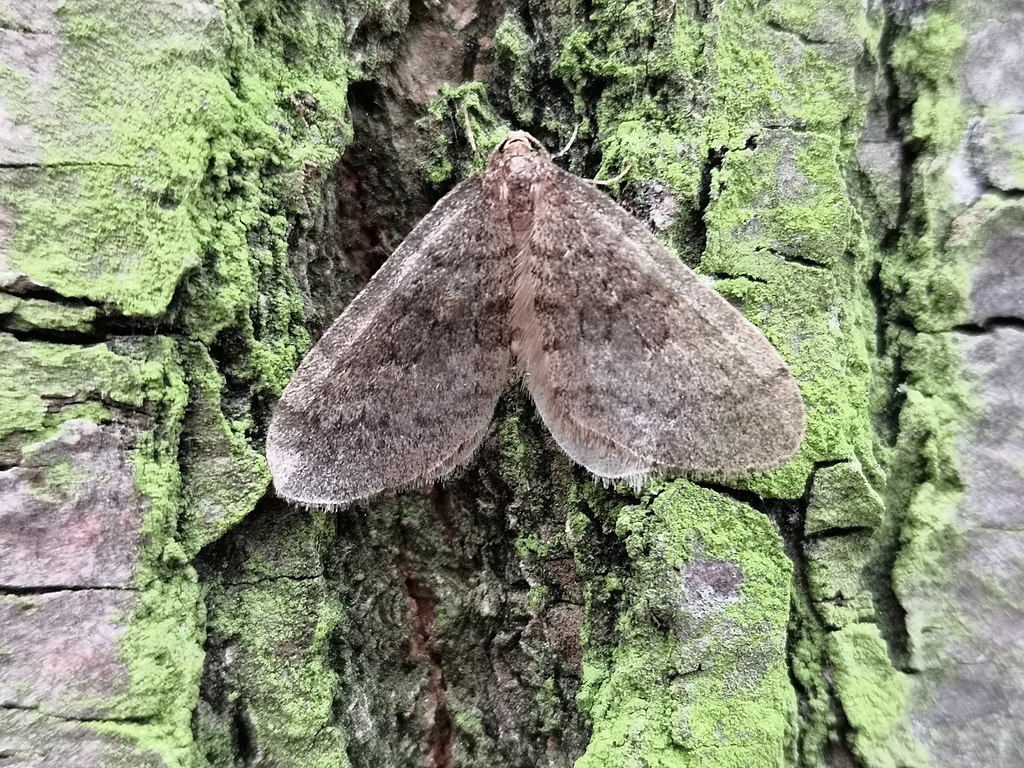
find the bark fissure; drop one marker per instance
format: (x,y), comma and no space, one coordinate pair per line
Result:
(46,711)
(805,609)
(50,589)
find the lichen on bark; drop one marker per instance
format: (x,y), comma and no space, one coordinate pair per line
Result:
(171,244)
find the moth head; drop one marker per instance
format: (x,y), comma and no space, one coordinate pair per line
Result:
(520,143)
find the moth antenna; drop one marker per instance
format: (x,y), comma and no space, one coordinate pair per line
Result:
(469,129)
(572,139)
(609,182)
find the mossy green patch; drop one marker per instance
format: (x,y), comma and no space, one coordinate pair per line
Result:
(776,212)
(59,481)
(37,315)
(836,579)
(520,452)
(697,675)
(767,77)
(121,149)
(146,180)
(842,497)
(163,640)
(816,732)
(875,698)
(512,52)
(623,47)
(465,106)
(928,283)
(283,673)
(922,59)
(44,384)
(224,476)
(281,128)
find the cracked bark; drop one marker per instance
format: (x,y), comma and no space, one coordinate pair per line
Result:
(165,609)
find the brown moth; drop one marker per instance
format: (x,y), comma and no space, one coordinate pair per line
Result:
(635,365)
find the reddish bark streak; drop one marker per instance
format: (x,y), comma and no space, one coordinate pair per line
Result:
(422,603)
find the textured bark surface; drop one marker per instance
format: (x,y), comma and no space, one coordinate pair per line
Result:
(191,191)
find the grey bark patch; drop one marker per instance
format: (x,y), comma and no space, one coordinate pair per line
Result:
(970,709)
(997,150)
(880,161)
(967,703)
(31,739)
(967,186)
(61,655)
(33,57)
(37,17)
(10,278)
(975,720)
(710,585)
(995,63)
(991,449)
(19,144)
(70,514)
(997,284)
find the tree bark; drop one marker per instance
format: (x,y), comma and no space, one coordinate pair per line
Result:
(191,191)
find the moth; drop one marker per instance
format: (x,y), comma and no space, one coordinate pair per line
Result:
(635,365)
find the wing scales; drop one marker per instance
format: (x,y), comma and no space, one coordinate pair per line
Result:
(401,387)
(635,365)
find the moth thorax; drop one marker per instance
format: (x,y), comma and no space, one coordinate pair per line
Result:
(518,183)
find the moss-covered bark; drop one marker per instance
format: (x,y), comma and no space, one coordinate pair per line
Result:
(190,191)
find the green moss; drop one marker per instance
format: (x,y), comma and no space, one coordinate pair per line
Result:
(60,481)
(786,199)
(842,497)
(512,52)
(160,177)
(922,58)
(520,453)
(224,476)
(818,726)
(928,284)
(282,628)
(466,107)
(163,640)
(537,597)
(836,578)
(622,45)
(697,676)
(148,182)
(20,411)
(37,315)
(764,76)
(121,148)
(470,724)
(875,698)
(280,130)
(38,376)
